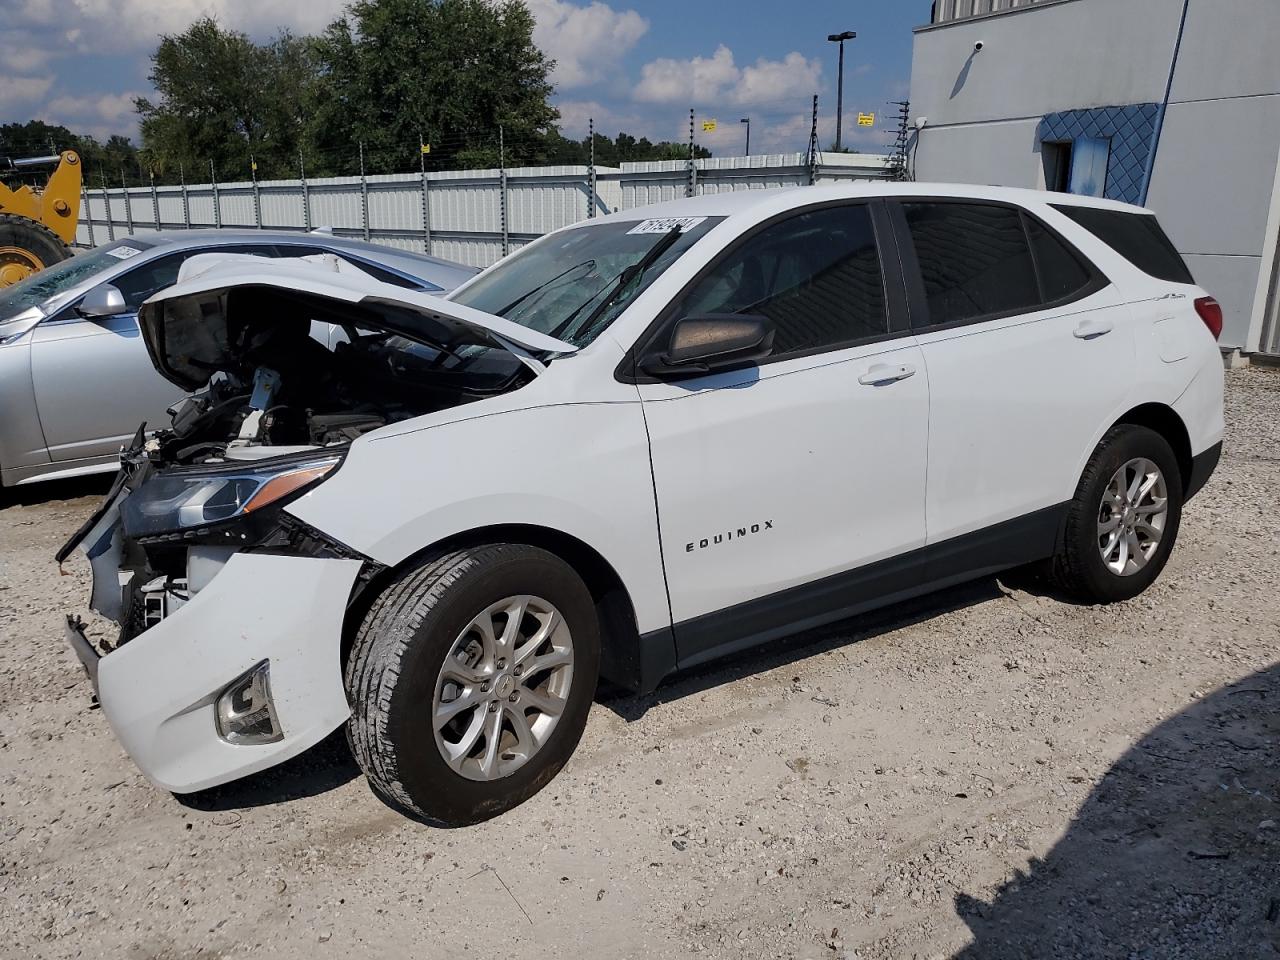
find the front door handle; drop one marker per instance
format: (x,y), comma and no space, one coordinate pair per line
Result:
(1091,329)
(883,373)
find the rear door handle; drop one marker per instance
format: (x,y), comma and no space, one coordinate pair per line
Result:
(883,373)
(1090,329)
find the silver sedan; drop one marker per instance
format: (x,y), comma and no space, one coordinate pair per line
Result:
(75,377)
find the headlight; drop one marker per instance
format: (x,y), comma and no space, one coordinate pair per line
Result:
(189,500)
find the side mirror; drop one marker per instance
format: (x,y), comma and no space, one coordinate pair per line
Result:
(104,300)
(712,342)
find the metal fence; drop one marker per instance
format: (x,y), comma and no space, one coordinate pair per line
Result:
(471,216)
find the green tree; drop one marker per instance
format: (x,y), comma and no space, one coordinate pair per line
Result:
(453,71)
(625,148)
(223,98)
(36,138)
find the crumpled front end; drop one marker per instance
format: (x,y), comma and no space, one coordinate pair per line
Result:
(228,659)
(168,691)
(231,609)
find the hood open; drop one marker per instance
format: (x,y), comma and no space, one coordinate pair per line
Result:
(199,325)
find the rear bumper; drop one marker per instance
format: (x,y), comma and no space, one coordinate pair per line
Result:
(1202,467)
(159,691)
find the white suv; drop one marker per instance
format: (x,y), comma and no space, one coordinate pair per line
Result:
(637,444)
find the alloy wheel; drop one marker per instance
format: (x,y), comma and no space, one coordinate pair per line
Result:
(1132,517)
(503,687)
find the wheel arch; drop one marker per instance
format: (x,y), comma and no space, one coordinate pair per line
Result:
(626,659)
(1165,421)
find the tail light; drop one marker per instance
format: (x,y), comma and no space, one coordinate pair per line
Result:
(1211,313)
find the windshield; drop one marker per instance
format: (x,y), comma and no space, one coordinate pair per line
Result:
(61,277)
(574,284)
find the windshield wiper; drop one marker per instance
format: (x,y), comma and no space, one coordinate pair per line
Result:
(620,283)
(542,287)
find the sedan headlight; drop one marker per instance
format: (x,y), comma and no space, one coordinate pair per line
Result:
(187,500)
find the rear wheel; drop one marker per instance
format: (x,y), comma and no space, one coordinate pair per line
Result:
(470,681)
(1123,522)
(27,247)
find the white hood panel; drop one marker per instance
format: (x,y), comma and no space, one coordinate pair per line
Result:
(332,277)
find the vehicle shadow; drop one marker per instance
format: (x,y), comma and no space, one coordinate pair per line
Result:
(50,491)
(329,764)
(326,766)
(1175,853)
(779,653)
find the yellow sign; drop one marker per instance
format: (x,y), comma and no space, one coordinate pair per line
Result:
(708,126)
(253,165)
(426,148)
(866,119)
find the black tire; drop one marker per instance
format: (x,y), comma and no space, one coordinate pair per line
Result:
(33,237)
(1078,568)
(395,664)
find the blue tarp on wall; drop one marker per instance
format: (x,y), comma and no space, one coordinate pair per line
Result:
(1131,130)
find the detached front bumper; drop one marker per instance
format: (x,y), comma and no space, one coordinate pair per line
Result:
(159,690)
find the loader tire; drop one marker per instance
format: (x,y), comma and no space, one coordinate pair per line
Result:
(27,247)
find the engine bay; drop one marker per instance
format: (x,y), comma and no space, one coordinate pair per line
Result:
(292,382)
(276,400)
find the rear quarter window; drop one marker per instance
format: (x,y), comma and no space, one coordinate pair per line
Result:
(1138,237)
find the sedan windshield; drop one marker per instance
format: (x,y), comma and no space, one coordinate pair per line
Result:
(572,285)
(61,277)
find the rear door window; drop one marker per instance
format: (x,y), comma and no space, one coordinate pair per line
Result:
(1138,237)
(981,261)
(975,260)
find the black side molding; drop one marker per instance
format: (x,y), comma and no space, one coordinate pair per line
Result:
(1202,467)
(1003,546)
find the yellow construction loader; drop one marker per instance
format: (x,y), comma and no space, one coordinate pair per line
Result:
(37,228)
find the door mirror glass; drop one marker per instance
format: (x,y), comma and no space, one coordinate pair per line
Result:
(712,342)
(104,300)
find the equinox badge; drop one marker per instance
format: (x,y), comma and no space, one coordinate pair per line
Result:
(719,538)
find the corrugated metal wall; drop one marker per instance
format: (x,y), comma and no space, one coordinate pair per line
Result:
(468,220)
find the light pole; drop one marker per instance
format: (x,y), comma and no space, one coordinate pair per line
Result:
(747,121)
(840,38)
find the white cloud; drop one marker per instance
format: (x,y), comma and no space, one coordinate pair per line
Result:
(718,79)
(22,53)
(586,42)
(99,116)
(106,106)
(125,26)
(16,93)
(609,120)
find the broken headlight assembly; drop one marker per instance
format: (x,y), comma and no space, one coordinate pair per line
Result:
(197,502)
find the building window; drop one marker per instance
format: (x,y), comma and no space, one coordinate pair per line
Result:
(1077,166)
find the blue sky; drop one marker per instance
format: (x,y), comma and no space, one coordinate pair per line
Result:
(635,66)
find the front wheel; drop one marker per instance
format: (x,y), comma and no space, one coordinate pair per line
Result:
(1123,522)
(470,681)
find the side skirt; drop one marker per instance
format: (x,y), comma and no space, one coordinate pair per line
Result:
(1009,544)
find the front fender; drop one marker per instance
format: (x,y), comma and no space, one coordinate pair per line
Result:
(578,469)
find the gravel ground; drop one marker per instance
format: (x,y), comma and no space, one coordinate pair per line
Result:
(992,773)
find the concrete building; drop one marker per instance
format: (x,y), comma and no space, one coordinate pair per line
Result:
(1174,104)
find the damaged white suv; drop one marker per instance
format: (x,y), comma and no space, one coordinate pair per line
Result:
(637,444)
